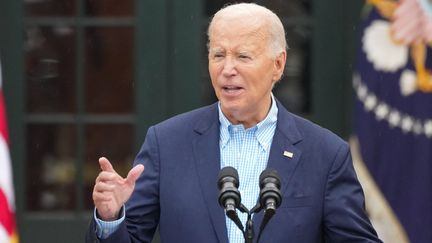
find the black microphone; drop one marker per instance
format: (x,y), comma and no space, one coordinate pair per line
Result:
(270,196)
(229,195)
(228,183)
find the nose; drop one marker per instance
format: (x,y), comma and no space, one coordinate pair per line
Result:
(229,67)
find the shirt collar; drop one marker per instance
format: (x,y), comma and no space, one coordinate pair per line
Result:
(224,125)
(264,130)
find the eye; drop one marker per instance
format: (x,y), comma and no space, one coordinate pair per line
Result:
(218,55)
(244,56)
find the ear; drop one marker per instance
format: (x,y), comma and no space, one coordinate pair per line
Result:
(279,64)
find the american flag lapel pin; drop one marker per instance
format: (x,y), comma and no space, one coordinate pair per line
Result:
(288,154)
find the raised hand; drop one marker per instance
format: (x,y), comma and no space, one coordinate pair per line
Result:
(111,190)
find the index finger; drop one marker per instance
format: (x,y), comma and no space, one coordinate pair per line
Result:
(105,164)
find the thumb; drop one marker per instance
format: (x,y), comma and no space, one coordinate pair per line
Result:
(105,165)
(134,173)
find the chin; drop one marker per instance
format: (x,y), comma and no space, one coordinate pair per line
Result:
(232,109)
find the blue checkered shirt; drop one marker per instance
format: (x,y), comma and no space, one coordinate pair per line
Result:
(247,150)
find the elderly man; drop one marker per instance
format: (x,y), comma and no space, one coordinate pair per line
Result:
(249,130)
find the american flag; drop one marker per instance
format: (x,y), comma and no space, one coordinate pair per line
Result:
(8,232)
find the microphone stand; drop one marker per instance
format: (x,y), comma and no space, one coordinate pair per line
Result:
(249,232)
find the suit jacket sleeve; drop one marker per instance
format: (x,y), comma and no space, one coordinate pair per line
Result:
(344,200)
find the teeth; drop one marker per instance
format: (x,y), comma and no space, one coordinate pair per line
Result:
(231,87)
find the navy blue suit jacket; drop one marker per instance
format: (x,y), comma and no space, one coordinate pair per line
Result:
(322,199)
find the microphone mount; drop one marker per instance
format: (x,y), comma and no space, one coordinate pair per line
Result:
(230,199)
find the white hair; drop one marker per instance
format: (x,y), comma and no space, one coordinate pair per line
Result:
(276,39)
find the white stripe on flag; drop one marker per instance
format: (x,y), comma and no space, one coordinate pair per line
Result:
(6,173)
(4,237)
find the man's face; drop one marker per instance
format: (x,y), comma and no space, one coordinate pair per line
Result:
(242,69)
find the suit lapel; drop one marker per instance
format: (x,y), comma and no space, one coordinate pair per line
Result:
(284,165)
(285,138)
(207,160)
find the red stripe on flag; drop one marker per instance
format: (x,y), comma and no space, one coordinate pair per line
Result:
(7,220)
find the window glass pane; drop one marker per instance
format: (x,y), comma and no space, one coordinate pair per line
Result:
(109,7)
(49,7)
(114,142)
(50,68)
(50,167)
(294,88)
(109,70)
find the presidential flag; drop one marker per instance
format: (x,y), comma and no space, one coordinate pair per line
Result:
(8,232)
(393,109)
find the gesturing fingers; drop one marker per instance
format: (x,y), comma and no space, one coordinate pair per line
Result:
(111,190)
(108,177)
(101,197)
(103,187)
(103,191)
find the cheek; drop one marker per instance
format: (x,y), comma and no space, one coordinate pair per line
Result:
(213,80)
(259,79)
(213,70)
(263,85)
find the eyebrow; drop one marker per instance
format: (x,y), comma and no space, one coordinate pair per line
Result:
(244,52)
(216,49)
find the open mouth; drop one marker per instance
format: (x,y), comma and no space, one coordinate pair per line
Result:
(231,88)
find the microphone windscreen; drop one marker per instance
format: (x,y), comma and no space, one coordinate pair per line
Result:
(269,173)
(228,171)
